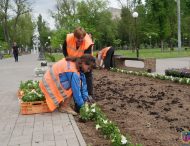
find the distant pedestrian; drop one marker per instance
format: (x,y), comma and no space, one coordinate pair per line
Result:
(15,51)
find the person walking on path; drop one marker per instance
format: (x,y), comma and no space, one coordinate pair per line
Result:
(15,51)
(104,57)
(77,44)
(66,79)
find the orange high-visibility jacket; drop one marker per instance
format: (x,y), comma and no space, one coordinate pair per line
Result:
(71,45)
(51,86)
(104,52)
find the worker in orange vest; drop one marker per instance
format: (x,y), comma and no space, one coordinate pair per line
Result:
(77,44)
(66,79)
(104,58)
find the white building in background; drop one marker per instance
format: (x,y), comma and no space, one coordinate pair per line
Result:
(116,13)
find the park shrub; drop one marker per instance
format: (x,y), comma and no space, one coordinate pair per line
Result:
(7,56)
(182,73)
(50,57)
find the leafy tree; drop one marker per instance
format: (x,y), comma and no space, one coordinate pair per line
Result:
(58,37)
(106,29)
(66,14)
(126,27)
(158,10)
(95,17)
(44,31)
(25,30)
(15,8)
(21,7)
(4,6)
(185,21)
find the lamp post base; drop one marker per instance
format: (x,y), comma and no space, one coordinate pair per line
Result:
(137,53)
(41,56)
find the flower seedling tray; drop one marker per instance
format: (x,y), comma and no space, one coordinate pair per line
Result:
(36,107)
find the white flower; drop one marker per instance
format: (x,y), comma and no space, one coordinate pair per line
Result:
(143,74)
(98,126)
(188,81)
(153,75)
(149,74)
(105,121)
(136,73)
(93,105)
(123,139)
(167,77)
(86,107)
(93,110)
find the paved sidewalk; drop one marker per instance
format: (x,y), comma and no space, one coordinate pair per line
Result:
(163,64)
(48,129)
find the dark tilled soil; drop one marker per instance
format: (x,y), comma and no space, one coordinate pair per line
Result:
(151,111)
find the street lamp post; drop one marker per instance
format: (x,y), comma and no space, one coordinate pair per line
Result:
(185,43)
(49,40)
(1,55)
(135,15)
(179,24)
(150,40)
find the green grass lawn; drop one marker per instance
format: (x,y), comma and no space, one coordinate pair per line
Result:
(143,53)
(154,53)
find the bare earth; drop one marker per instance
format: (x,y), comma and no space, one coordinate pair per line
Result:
(153,112)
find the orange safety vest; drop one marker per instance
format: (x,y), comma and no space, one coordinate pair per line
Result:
(71,45)
(51,86)
(104,52)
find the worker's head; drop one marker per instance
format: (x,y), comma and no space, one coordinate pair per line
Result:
(79,34)
(87,63)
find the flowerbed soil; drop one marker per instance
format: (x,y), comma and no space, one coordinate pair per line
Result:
(153,112)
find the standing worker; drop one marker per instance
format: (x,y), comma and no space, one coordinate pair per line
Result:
(66,79)
(104,57)
(77,44)
(93,42)
(15,51)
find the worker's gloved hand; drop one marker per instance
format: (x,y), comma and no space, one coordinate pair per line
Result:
(90,100)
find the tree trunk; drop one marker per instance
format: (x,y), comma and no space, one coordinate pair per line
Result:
(5,27)
(14,27)
(162,45)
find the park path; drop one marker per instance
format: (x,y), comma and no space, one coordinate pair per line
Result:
(163,64)
(48,129)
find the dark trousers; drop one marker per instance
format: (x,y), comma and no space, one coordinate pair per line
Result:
(89,81)
(108,61)
(16,57)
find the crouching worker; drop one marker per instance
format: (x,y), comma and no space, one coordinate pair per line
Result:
(104,58)
(66,79)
